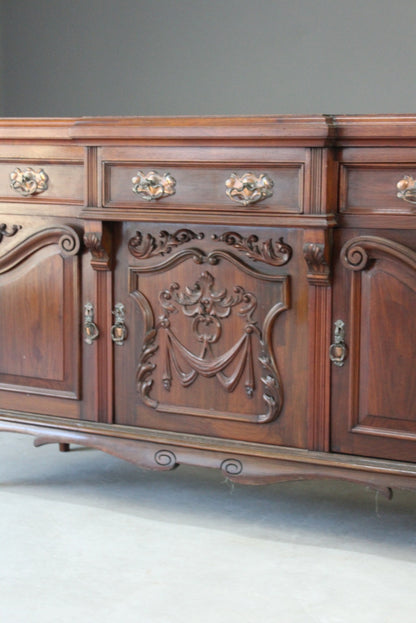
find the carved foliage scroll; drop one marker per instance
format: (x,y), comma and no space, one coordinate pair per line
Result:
(275,253)
(145,246)
(272,252)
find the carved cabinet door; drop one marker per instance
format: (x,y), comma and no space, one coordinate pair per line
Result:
(41,289)
(205,331)
(374,344)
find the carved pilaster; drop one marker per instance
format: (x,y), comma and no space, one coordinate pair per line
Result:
(317,253)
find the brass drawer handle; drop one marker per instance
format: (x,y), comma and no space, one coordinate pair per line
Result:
(407,189)
(338,350)
(90,329)
(119,329)
(153,186)
(248,188)
(29,181)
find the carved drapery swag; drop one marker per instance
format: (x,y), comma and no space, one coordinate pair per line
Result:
(207,308)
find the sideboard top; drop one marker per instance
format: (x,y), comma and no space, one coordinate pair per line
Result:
(314,130)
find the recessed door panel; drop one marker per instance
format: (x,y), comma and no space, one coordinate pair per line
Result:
(374,402)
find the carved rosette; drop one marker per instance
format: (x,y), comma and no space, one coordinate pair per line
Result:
(145,246)
(275,253)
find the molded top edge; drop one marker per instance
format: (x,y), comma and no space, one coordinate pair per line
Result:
(286,129)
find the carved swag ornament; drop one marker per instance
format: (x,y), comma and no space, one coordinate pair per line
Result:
(207,308)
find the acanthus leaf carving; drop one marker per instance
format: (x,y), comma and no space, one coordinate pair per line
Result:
(315,255)
(275,253)
(97,246)
(144,246)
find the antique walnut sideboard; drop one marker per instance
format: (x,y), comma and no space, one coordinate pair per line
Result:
(236,293)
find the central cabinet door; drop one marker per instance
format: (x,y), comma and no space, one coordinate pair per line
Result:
(212,331)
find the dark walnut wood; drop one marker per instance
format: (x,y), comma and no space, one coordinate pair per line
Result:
(235,293)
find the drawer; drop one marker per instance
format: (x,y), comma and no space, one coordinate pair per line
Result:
(42,174)
(369,178)
(202,180)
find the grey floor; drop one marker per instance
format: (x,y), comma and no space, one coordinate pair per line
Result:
(86,537)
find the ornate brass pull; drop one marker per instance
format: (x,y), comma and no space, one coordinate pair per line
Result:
(407,189)
(248,188)
(338,350)
(119,329)
(29,181)
(153,186)
(90,329)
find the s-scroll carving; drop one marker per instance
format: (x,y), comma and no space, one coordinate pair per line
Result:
(144,246)
(275,253)
(247,361)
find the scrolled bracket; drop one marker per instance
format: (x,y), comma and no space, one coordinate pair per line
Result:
(248,188)
(153,186)
(317,254)
(29,182)
(99,246)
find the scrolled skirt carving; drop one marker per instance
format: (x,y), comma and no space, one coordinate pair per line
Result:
(165,459)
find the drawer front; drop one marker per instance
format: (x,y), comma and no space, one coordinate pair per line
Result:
(202,182)
(43,174)
(369,181)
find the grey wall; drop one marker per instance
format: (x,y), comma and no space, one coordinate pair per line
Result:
(100,57)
